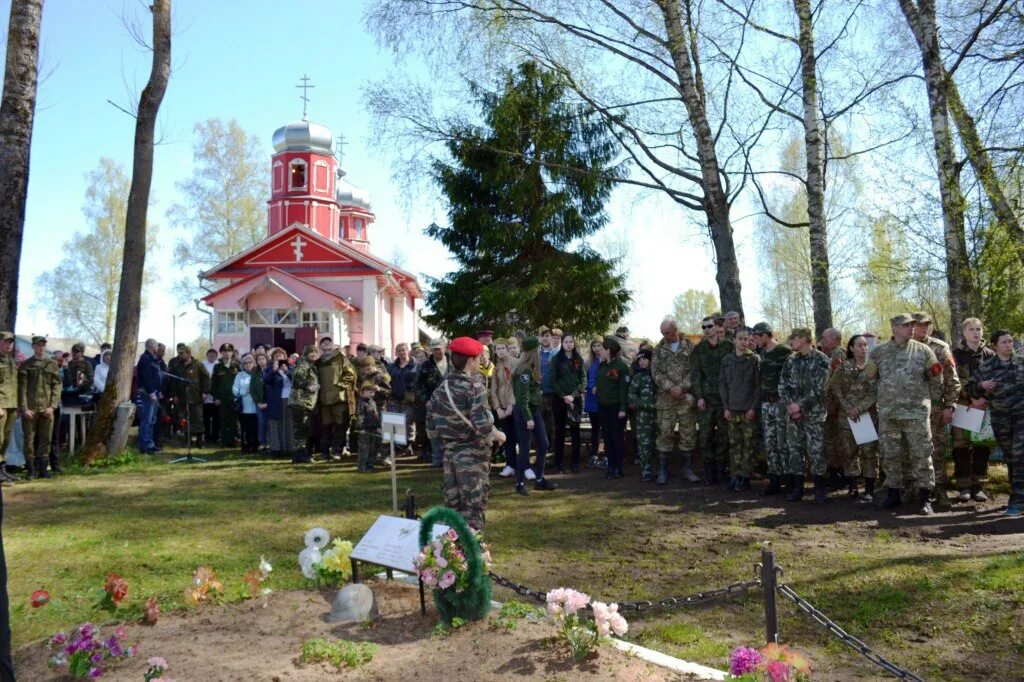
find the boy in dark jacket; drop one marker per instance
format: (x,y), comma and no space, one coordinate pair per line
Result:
(740,387)
(369,426)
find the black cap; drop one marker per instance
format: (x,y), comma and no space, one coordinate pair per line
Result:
(762,328)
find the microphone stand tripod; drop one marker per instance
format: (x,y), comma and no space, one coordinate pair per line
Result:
(188,458)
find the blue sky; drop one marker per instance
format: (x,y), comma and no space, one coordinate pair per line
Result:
(242,60)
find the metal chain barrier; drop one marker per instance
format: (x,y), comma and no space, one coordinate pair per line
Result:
(846,638)
(736,588)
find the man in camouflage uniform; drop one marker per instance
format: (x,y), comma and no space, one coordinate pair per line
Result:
(909,378)
(773,411)
(8,399)
(221,384)
(337,379)
(730,323)
(802,387)
(714,431)
(302,402)
(672,369)
(461,421)
(832,346)
(188,397)
(942,409)
(39,388)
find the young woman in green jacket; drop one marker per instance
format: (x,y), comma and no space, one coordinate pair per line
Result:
(612,400)
(568,382)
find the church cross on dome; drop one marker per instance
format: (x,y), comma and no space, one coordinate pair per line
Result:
(305,91)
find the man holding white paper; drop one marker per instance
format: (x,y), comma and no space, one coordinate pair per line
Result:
(909,378)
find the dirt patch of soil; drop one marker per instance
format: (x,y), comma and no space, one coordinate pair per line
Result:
(262,639)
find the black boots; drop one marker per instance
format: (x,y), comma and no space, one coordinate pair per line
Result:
(924,496)
(709,473)
(4,476)
(820,491)
(869,489)
(797,492)
(662,468)
(54,464)
(774,485)
(892,498)
(41,471)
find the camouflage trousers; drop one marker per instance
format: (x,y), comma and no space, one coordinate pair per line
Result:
(300,426)
(39,427)
(898,438)
(714,434)
(466,482)
(683,414)
(835,424)
(940,439)
(646,435)
(773,426)
(1009,433)
(7,417)
(805,447)
(857,460)
(742,438)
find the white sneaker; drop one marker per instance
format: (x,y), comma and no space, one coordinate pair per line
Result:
(690,476)
(530,476)
(964,496)
(979,496)
(507,471)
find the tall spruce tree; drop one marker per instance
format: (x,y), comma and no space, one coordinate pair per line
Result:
(521,192)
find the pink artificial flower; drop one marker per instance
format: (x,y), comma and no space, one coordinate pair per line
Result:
(428,577)
(58,639)
(132,650)
(601,611)
(420,558)
(451,534)
(447,580)
(86,630)
(120,632)
(778,671)
(744,660)
(157,662)
(618,624)
(575,601)
(441,561)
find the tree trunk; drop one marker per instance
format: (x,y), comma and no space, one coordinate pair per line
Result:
(821,294)
(983,167)
(716,203)
(16,113)
(959,279)
(100,441)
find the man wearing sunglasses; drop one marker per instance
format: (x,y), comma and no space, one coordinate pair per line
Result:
(713,429)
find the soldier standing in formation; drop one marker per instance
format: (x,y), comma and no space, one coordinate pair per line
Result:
(853,388)
(802,389)
(221,384)
(672,369)
(942,408)
(8,399)
(337,379)
(39,388)
(188,395)
(302,401)
(773,411)
(714,431)
(461,420)
(909,378)
(1001,379)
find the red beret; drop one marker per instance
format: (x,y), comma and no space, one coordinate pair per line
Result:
(466,346)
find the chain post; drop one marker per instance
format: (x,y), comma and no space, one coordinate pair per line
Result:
(771,617)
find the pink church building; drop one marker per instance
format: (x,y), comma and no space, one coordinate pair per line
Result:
(314,274)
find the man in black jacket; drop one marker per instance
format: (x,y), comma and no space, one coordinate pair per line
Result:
(429,377)
(150,385)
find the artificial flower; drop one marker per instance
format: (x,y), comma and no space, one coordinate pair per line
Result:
(317,537)
(152,611)
(116,588)
(779,671)
(252,579)
(39,598)
(265,567)
(447,580)
(744,660)
(308,559)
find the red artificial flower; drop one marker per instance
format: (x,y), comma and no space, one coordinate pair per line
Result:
(117,588)
(613,373)
(152,611)
(183,423)
(167,420)
(39,598)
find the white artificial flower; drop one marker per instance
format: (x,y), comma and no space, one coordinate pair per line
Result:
(317,537)
(265,568)
(308,559)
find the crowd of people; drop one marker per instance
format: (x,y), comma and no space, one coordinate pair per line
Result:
(738,396)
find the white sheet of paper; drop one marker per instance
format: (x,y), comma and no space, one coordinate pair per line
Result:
(968,418)
(863,430)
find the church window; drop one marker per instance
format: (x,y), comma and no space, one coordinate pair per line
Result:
(321,319)
(321,176)
(278,174)
(230,322)
(273,316)
(359,228)
(298,175)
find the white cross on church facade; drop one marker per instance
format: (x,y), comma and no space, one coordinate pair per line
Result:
(297,245)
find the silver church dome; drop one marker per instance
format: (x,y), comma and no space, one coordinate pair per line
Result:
(302,136)
(347,194)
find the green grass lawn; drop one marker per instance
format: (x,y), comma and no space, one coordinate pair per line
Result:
(942,597)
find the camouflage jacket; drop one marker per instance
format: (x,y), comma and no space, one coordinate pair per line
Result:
(643,393)
(337,379)
(78,375)
(305,385)
(39,384)
(853,387)
(967,363)
(223,380)
(803,381)
(950,378)
(194,371)
(468,398)
(707,362)
(8,382)
(671,369)
(1007,399)
(909,377)
(772,362)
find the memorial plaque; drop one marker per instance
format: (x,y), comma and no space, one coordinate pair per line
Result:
(392,542)
(393,426)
